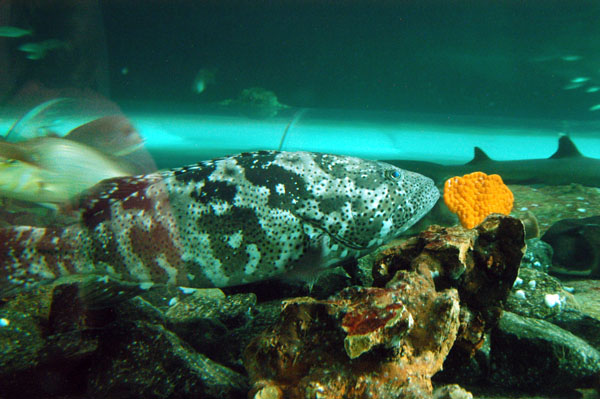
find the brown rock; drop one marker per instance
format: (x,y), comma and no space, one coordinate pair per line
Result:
(452,391)
(364,342)
(389,340)
(481,263)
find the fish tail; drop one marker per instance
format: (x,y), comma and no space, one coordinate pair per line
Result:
(32,255)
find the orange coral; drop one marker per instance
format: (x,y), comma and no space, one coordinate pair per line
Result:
(475,196)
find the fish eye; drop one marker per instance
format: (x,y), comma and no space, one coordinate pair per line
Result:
(393,174)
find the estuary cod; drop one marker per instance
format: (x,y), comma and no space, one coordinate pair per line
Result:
(224,222)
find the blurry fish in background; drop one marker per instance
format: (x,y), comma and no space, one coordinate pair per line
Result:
(204,77)
(256,103)
(64,115)
(112,134)
(37,51)
(42,120)
(13,31)
(578,72)
(41,163)
(52,170)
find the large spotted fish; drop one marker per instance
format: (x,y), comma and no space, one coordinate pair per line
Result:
(224,222)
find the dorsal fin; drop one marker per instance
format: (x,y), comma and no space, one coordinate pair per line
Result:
(479,156)
(566,148)
(111,134)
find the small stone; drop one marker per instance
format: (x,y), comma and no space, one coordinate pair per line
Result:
(582,210)
(518,282)
(452,391)
(520,294)
(269,392)
(4,322)
(551,300)
(532,284)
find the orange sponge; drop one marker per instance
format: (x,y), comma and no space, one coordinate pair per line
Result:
(476,195)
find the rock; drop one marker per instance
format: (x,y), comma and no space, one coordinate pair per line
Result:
(139,308)
(387,341)
(538,255)
(57,338)
(218,327)
(481,263)
(21,341)
(537,356)
(469,371)
(363,342)
(539,295)
(576,245)
(139,359)
(452,391)
(580,324)
(48,338)
(586,292)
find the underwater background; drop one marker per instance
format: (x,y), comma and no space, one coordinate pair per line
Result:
(112,230)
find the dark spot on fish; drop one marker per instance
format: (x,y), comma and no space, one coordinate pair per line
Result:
(267,155)
(362,228)
(330,165)
(107,251)
(196,173)
(332,204)
(367,180)
(229,171)
(293,159)
(220,228)
(127,191)
(216,190)
(275,176)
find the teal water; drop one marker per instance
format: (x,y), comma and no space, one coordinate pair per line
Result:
(413,77)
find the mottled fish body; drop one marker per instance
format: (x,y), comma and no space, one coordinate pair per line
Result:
(224,222)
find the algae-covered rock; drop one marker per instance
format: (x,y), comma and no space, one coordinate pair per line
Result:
(144,360)
(72,340)
(21,340)
(538,295)
(537,356)
(219,327)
